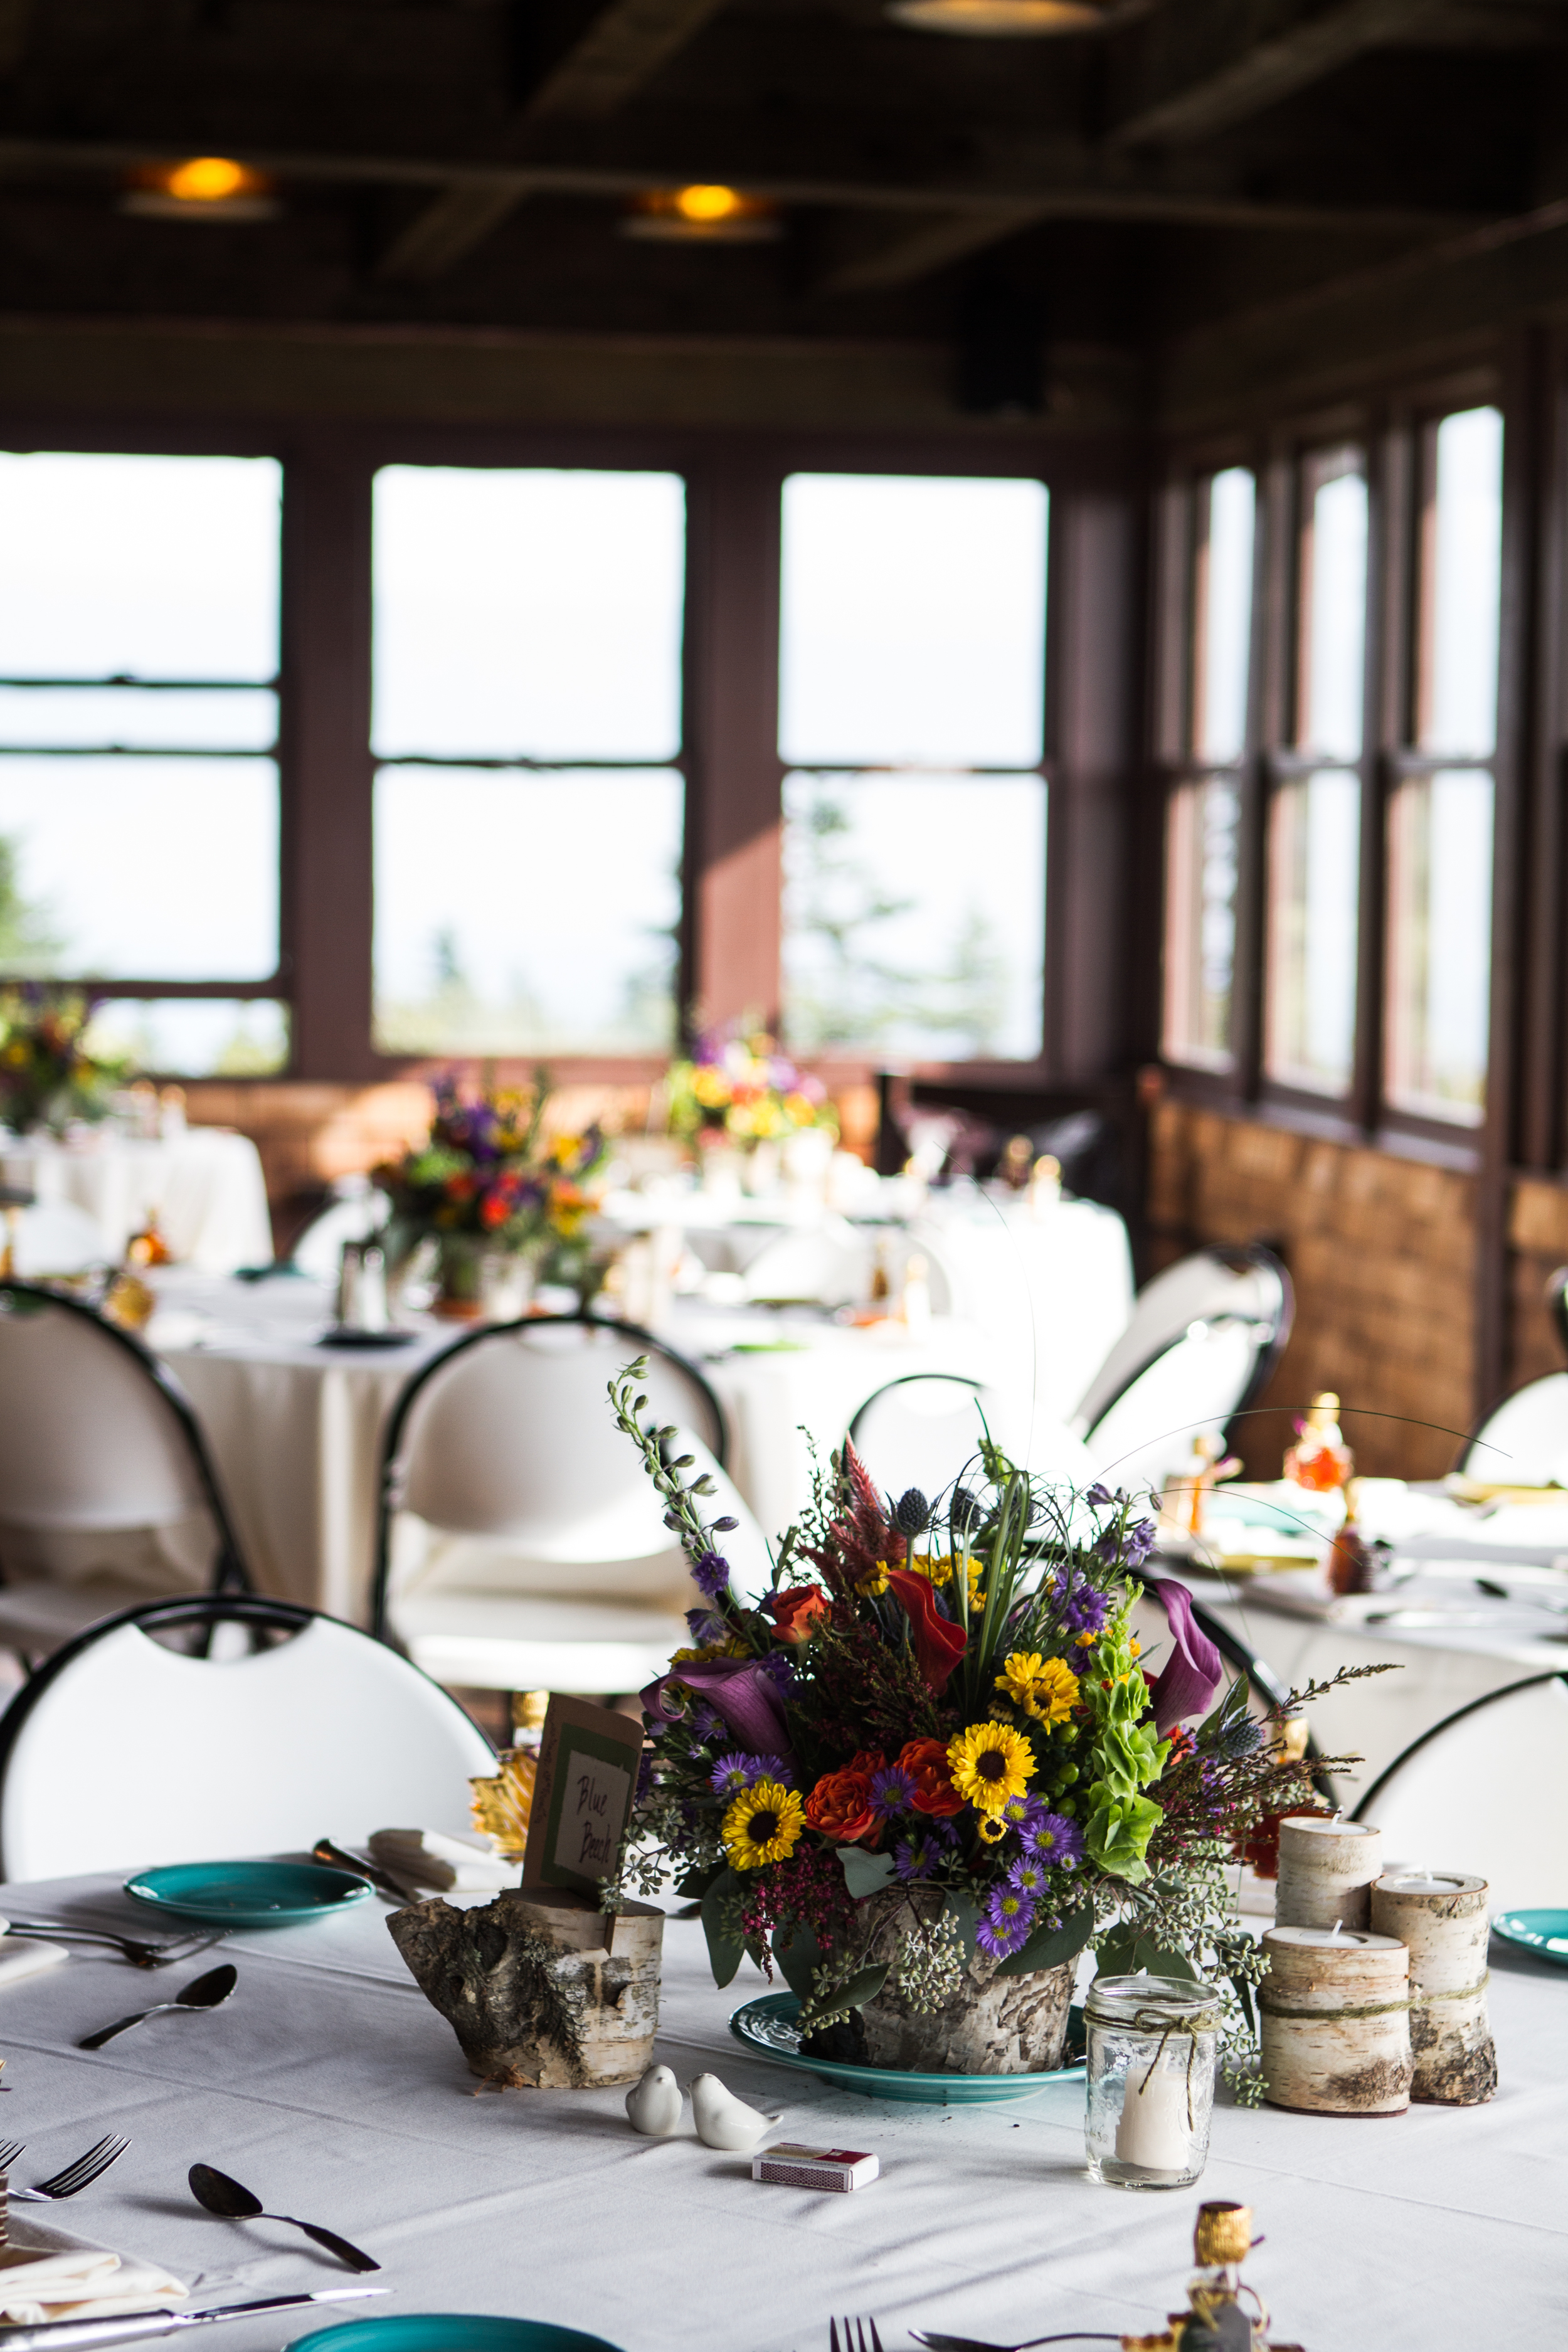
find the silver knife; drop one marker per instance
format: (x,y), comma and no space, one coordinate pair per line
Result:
(134,2324)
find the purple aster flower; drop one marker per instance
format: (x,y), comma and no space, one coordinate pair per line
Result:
(1057,1840)
(706,1722)
(892,1791)
(1005,1924)
(1022,1812)
(779,1668)
(711,1573)
(1028,1877)
(772,1768)
(732,1774)
(1081,1609)
(918,1856)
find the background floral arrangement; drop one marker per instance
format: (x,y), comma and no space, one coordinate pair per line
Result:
(46,1076)
(488,1170)
(741,1090)
(956,1708)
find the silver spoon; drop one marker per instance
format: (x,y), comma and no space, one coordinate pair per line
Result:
(202,1992)
(221,2195)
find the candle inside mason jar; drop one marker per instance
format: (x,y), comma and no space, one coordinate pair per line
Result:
(1152,2129)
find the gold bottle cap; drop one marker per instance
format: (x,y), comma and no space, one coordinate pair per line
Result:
(1323,1408)
(1222,2234)
(529,1710)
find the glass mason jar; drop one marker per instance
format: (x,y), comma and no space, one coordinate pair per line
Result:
(1151,2080)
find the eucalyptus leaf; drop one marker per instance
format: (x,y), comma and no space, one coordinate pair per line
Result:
(725,1949)
(1127,1950)
(864,1873)
(965,1918)
(799,1956)
(1245,1994)
(1048,1948)
(696,1883)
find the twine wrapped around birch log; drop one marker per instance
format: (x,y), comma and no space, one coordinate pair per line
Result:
(1445,1928)
(1334,2023)
(1326,1872)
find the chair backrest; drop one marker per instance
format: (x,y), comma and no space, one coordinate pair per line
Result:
(56,1237)
(122,1753)
(1459,1797)
(1249,1283)
(509,1434)
(93,1433)
(924,1429)
(1525,1442)
(1191,1389)
(828,1265)
(318,1250)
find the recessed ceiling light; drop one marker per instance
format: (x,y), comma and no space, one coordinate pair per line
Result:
(205,187)
(999,20)
(702,215)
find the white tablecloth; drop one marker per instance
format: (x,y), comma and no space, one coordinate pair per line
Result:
(204,1187)
(332,2088)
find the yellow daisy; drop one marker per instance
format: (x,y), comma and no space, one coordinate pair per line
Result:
(989,1763)
(992,1829)
(1045,1688)
(937,1569)
(763,1824)
(1024,1670)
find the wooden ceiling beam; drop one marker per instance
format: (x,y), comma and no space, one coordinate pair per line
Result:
(1274,68)
(449,230)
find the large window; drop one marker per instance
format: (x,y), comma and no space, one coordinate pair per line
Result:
(1204,809)
(139,800)
(529,800)
(911,702)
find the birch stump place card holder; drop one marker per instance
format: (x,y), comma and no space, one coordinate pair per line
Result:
(543,1987)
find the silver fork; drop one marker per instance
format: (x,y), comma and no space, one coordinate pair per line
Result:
(858,2342)
(142,1955)
(74,2177)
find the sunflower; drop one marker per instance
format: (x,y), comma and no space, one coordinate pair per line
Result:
(990,1763)
(763,1824)
(874,1583)
(1045,1688)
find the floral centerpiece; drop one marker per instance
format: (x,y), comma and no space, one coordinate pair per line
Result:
(488,1183)
(928,1766)
(742,1091)
(47,1077)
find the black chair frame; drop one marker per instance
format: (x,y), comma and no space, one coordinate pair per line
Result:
(908,1380)
(641,1343)
(230,1573)
(1253,1255)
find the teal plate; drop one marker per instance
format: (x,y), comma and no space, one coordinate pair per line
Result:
(1544,1933)
(771,2026)
(455,2331)
(250,1894)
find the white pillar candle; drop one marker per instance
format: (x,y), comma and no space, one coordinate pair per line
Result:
(1153,2129)
(1441,1917)
(1326,1871)
(1334,2015)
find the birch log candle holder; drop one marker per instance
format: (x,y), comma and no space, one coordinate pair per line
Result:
(1326,1872)
(1334,2021)
(1441,1917)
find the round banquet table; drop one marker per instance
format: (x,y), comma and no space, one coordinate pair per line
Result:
(204,1187)
(330,2086)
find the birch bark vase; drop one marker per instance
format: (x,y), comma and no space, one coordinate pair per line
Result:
(1326,1872)
(1334,2022)
(1441,1917)
(991,2024)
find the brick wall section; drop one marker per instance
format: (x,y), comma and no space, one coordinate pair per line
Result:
(1538,1239)
(1381,1254)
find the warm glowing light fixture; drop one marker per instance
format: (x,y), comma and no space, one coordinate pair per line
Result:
(999,20)
(701,215)
(206,187)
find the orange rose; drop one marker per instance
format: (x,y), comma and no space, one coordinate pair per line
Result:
(840,1807)
(925,1761)
(795,1613)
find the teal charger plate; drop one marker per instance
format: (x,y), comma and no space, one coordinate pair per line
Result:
(771,2027)
(248,1894)
(1544,1933)
(455,2331)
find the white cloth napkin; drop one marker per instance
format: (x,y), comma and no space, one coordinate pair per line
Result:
(46,2273)
(448,1864)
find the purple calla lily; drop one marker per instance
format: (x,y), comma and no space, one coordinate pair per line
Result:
(739,1689)
(1194,1670)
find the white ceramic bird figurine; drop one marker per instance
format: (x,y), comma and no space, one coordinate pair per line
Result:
(654,2104)
(724,2121)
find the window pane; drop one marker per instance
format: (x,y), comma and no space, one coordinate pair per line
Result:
(528,614)
(913,621)
(1199,921)
(519,914)
(139,567)
(193,1037)
(914,914)
(156,868)
(101,718)
(1440,871)
(1222,609)
(1461,585)
(1314,859)
(1329,682)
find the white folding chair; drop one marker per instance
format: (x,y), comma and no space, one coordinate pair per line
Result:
(824,1266)
(522,1544)
(56,1237)
(355,1215)
(1525,1442)
(1249,1285)
(924,1429)
(1458,1797)
(123,1753)
(1191,1389)
(106,1493)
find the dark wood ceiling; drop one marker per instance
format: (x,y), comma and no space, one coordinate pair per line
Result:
(467,163)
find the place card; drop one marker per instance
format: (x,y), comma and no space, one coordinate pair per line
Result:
(583,1792)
